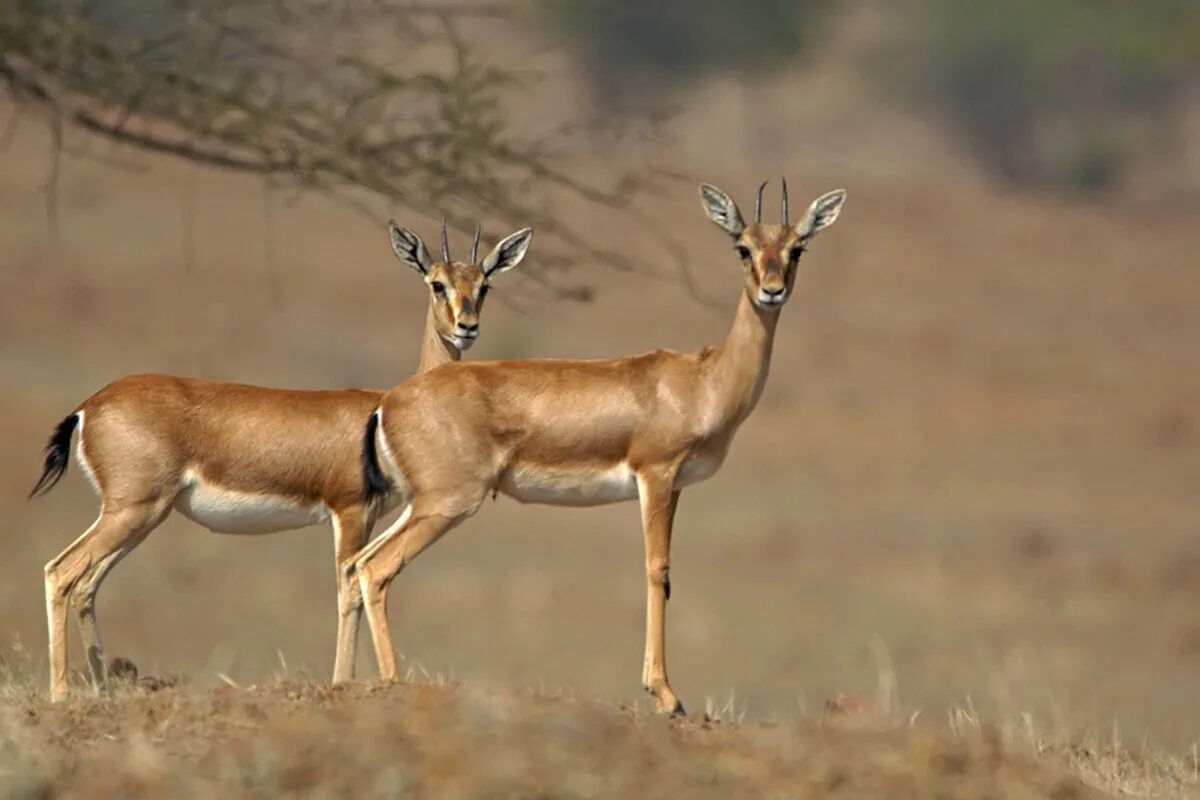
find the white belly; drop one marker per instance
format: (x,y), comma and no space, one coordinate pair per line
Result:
(699,468)
(228,511)
(567,486)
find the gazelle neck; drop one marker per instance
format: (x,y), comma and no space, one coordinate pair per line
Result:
(435,350)
(742,361)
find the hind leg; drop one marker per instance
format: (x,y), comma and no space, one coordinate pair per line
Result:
(61,574)
(382,560)
(351,527)
(84,598)
(76,575)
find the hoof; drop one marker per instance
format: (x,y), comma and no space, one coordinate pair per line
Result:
(661,706)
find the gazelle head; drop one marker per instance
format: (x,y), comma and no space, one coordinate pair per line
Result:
(769,253)
(458,289)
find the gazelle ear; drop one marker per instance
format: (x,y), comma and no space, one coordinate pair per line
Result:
(409,248)
(821,214)
(508,253)
(721,209)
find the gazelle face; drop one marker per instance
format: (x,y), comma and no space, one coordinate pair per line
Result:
(457,289)
(457,292)
(769,253)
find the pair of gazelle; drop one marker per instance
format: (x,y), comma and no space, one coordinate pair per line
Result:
(239,458)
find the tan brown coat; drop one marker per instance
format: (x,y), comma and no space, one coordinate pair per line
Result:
(240,459)
(581,432)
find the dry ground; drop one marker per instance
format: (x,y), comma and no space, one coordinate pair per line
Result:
(974,468)
(297,739)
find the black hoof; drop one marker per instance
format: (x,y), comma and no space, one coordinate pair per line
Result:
(678,711)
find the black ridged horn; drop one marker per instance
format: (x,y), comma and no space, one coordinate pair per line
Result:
(784,202)
(445,243)
(758,202)
(475,245)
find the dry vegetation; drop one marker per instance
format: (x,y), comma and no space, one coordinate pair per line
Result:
(431,737)
(421,739)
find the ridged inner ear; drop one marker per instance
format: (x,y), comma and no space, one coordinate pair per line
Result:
(821,214)
(508,253)
(721,209)
(409,248)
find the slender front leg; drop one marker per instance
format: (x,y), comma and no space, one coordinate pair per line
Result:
(351,527)
(658,501)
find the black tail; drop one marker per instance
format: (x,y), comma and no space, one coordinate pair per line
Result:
(58,453)
(374,481)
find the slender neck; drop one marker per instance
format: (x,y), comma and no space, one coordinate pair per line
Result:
(435,350)
(742,361)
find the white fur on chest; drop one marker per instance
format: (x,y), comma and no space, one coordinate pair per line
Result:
(229,511)
(569,486)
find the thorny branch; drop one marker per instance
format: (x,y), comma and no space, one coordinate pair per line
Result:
(265,87)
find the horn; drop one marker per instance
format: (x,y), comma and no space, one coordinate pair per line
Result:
(785,214)
(758,203)
(445,243)
(475,244)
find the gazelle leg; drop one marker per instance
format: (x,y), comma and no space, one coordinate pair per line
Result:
(351,527)
(76,574)
(658,502)
(61,574)
(84,601)
(382,562)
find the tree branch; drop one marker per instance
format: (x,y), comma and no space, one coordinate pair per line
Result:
(268,87)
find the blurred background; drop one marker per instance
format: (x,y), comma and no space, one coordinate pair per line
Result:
(973,474)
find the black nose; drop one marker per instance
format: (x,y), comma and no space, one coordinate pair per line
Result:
(469,326)
(773,292)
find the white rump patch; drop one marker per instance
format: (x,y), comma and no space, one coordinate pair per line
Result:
(81,457)
(569,486)
(399,485)
(390,466)
(229,511)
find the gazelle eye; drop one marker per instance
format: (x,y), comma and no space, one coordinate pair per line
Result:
(438,287)
(483,290)
(795,254)
(743,251)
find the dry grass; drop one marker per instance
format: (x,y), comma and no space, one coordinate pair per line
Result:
(431,737)
(419,739)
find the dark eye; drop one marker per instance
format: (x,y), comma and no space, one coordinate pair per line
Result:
(743,251)
(438,287)
(795,254)
(483,290)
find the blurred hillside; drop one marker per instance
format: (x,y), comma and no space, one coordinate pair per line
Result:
(974,466)
(1074,95)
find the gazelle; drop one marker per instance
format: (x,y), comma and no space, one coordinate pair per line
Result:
(580,432)
(240,459)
